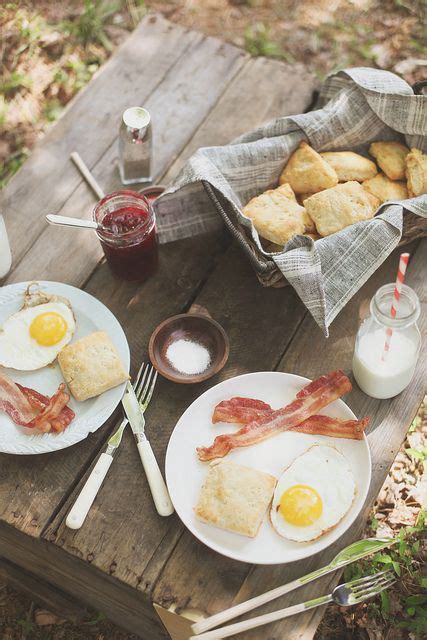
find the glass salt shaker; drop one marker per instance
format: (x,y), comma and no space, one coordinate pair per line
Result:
(380,373)
(5,254)
(135,146)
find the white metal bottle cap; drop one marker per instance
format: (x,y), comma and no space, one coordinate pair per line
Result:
(136,117)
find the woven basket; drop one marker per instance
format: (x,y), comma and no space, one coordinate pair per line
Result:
(414,228)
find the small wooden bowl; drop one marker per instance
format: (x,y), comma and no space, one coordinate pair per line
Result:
(197,328)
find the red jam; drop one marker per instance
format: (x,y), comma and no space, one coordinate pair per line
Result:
(128,234)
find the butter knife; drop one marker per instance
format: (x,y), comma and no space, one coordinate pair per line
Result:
(82,505)
(155,479)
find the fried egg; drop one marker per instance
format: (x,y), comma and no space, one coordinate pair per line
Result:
(313,494)
(32,338)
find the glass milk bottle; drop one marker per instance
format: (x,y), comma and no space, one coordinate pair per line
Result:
(5,255)
(135,143)
(383,374)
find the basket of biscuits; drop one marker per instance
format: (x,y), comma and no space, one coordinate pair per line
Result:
(323,193)
(316,200)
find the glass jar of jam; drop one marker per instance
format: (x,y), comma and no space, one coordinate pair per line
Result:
(128,234)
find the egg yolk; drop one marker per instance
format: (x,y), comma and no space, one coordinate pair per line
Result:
(48,328)
(300,505)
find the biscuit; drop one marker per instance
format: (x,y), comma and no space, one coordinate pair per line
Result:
(276,215)
(337,208)
(307,172)
(350,166)
(416,172)
(390,157)
(384,189)
(91,366)
(303,196)
(235,498)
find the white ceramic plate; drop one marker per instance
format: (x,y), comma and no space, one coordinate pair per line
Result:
(91,315)
(185,473)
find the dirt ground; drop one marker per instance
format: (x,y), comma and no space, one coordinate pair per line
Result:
(49,50)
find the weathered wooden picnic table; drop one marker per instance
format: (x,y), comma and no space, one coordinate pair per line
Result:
(125,558)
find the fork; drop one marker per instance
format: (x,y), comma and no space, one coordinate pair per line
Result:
(143,392)
(346,595)
(87,495)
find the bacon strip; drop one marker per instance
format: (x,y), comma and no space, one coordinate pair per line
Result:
(241,410)
(327,426)
(245,410)
(14,403)
(311,399)
(54,414)
(31,409)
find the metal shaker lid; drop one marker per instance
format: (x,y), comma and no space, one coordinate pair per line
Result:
(136,117)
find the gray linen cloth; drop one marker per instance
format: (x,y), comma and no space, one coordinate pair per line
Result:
(355,107)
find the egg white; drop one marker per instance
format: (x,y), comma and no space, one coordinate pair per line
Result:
(18,350)
(326,470)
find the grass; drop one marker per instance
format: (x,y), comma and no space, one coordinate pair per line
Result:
(408,597)
(259,43)
(45,62)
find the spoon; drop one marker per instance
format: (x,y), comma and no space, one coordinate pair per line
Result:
(66,221)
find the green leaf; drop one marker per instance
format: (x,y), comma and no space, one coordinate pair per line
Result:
(410,611)
(423,583)
(403,547)
(414,453)
(385,603)
(418,598)
(385,558)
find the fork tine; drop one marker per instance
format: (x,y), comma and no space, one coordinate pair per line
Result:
(139,390)
(138,376)
(371,585)
(370,593)
(150,392)
(147,384)
(365,579)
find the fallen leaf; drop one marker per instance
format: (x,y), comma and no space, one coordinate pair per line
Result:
(44,618)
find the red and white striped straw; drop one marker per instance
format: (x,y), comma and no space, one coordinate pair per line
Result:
(403,263)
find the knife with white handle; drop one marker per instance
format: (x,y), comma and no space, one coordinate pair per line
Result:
(157,485)
(87,495)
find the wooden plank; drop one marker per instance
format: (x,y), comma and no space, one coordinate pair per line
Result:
(145,531)
(145,560)
(180,102)
(72,257)
(90,124)
(255,102)
(69,573)
(32,488)
(41,592)
(182,582)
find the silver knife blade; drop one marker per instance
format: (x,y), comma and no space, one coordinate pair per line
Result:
(133,410)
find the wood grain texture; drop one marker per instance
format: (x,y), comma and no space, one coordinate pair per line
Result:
(41,592)
(251,96)
(32,488)
(390,421)
(72,257)
(135,310)
(67,572)
(90,125)
(200,92)
(181,100)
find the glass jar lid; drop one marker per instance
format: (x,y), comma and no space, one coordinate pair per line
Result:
(136,118)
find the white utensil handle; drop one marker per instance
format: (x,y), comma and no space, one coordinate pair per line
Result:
(71,222)
(158,486)
(87,495)
(239,609)
(252,623)
(78,161)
